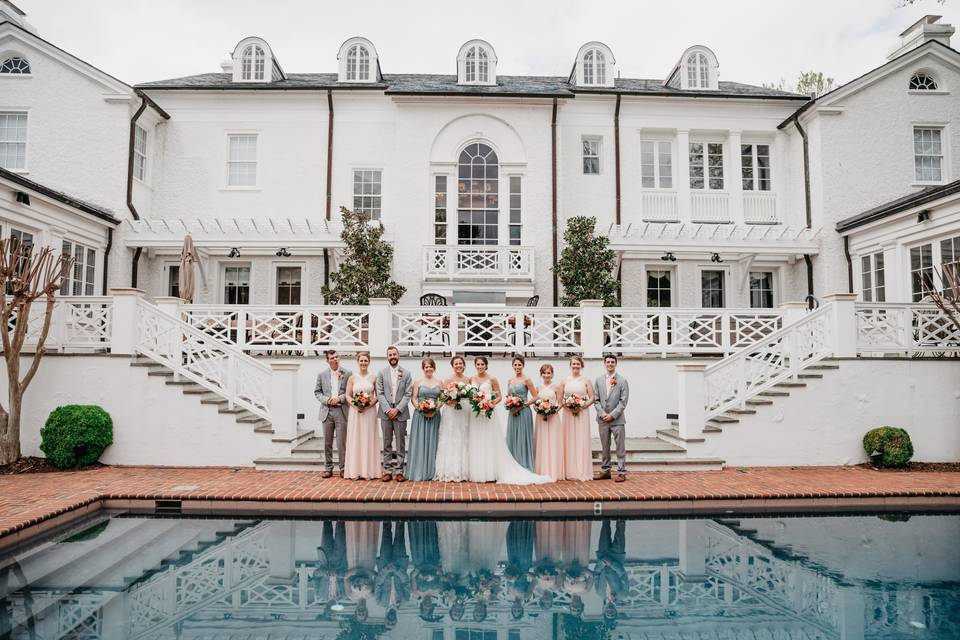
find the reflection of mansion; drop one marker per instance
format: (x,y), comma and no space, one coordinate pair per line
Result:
(732,209)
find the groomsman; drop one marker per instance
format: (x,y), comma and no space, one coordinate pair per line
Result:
(331,391)
(394,384)
(612,393)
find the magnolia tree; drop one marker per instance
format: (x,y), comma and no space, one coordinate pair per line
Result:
(364,272)
(586,264)
(27,276)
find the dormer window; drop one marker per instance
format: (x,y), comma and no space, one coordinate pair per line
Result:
(476,64)
(252,63)
(698,73)
(358,63)
(696,70)
(594,66)
(15,65)
(922,81)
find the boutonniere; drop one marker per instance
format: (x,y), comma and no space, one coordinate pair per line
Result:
(399,374)
(613,380)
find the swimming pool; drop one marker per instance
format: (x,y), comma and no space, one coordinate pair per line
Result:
(783,577)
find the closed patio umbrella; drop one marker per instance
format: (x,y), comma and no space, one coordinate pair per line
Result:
(187,281)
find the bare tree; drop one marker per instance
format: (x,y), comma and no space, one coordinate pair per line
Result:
(948,298)
(26,276)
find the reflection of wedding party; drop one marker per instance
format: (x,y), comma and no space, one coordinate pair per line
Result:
(470,427)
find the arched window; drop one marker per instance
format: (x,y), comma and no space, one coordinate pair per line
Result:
(921,81)
(478,206)
(698,71)
(15,65)
(476,65)
(252,63)
(470,66)
(483,66)
(594,67)
(358,63)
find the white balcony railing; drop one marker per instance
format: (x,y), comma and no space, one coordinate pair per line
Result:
(760,207)
(907,329)
(709,207)
(660,206)
(78,323)
(478,262)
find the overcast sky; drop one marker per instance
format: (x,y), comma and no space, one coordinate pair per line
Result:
(755,41)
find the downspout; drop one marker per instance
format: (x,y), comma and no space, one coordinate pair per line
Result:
(846,252)
(130,206)
(807,205)
(326,252)
(616,171)
(553,200)
(106,260)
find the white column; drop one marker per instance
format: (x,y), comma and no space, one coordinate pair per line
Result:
(793,311)
(124,326)
(283,399)
(380,334)
(683,174)
(691,389)
(591,328)
(844,324)
(731,177)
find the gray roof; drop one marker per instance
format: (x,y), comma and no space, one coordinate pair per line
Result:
(92,209)
(901,204)
(438,84)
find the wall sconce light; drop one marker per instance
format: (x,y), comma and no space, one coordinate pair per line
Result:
(669,256)
(283,253)
(715,258)
(923,215)
(234,253)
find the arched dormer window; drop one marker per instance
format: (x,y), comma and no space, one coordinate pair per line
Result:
(358,61)
(594,66)
(15,65)
(923,81)
(697,70)
(476,64)
(253,64)
(253,61)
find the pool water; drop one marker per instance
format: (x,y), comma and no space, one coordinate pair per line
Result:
(769,578)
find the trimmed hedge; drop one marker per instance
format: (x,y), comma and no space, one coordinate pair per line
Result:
(891,443)
(76,435)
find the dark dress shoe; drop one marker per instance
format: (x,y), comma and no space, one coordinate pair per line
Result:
(326,474)
(386,477)
(399,478)
(603,475)
(621,477)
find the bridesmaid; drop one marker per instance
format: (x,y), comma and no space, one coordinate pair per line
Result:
(520,420)
(363,432)
(424,430)
(578,458)
(548,431)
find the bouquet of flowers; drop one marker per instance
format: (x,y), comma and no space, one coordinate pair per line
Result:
(575,402)
(361,399)
(482,405)
(545,407)
(454,393)
(428,407)
(512,402)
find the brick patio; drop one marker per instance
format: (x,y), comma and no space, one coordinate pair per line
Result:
(29,499)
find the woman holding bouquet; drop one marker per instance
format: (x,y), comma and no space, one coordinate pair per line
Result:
(548,430)
(363,433)
(577,398)
(451,460)
(520,395)
(425,425)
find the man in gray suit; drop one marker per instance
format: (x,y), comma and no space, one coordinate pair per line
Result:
(331,391)
(394,385)
(612,393)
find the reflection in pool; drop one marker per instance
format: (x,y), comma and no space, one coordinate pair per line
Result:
(887,576)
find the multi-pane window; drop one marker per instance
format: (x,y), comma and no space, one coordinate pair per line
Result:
(440,210)
(950,263)
(591,156)
(656,165)
(253,63)
(712,289)
(922,82)
(358,63)
(761,289)
(21,241)
(367,196)
(15,65)
(236,284)
(476,66)
(706,165)
(698,71)
(755,167)
(242,161)
(288,285)
(594,67)
(516,223)
(872,278)
(921,271)
(140,153)
(927,154)
(659,283)
(79,281)
(173,280)
(478,206)
(13,140)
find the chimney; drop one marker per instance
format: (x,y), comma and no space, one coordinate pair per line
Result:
(920,32)
(10,12)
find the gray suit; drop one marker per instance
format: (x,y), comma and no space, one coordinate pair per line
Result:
(394,458)
(614,404)
(333,419)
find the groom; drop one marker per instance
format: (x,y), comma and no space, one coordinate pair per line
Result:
(612,393)
(331,391)
(394,385)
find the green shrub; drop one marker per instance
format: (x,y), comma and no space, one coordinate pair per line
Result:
(76,435)
(888,447)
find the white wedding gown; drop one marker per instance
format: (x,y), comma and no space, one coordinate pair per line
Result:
(452,460)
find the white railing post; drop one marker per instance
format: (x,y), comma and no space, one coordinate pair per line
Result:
(57,336)
(663,332)
(231,381)
(691,387)
(591,328)
(519,334)
(844,321)
(283,399)
(905,330)
(171,306)
(125,328)
(725,332)
(379,330)
(241,328)
(793,312)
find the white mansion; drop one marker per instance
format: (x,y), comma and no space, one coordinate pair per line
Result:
(722,200)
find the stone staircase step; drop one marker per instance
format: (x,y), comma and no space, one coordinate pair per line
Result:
(183,383)
(198,391)
(265,427)
(234,411)
(756,402)
(213,399)
(145,363)
(723,419)
(805,376)
(824,366)
(740,412)
(161,373)
(301,436)
(772,393)
(710,428)
(790,385)
(673,436)
(248,418)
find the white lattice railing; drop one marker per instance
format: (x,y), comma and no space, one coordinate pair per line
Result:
(78,322)
(202,357)
(776,358)
(709,207)
(681,331)
(884,327)
(760,207)
(466,262)
(660,206)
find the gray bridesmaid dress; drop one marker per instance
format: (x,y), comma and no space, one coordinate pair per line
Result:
(520,429)
(424,434)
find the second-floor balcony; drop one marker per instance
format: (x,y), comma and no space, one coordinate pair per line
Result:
(444,263)
(709,207)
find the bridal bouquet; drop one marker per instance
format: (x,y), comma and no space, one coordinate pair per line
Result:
(512,402)
(428,407)
(482,405)
(545,407)
(575,402)
(454,393)
(361,400)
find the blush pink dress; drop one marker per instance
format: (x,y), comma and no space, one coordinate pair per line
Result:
(576,432)
(363,436)
(548,438)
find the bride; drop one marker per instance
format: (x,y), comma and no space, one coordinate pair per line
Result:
(490,459)
(452,460)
